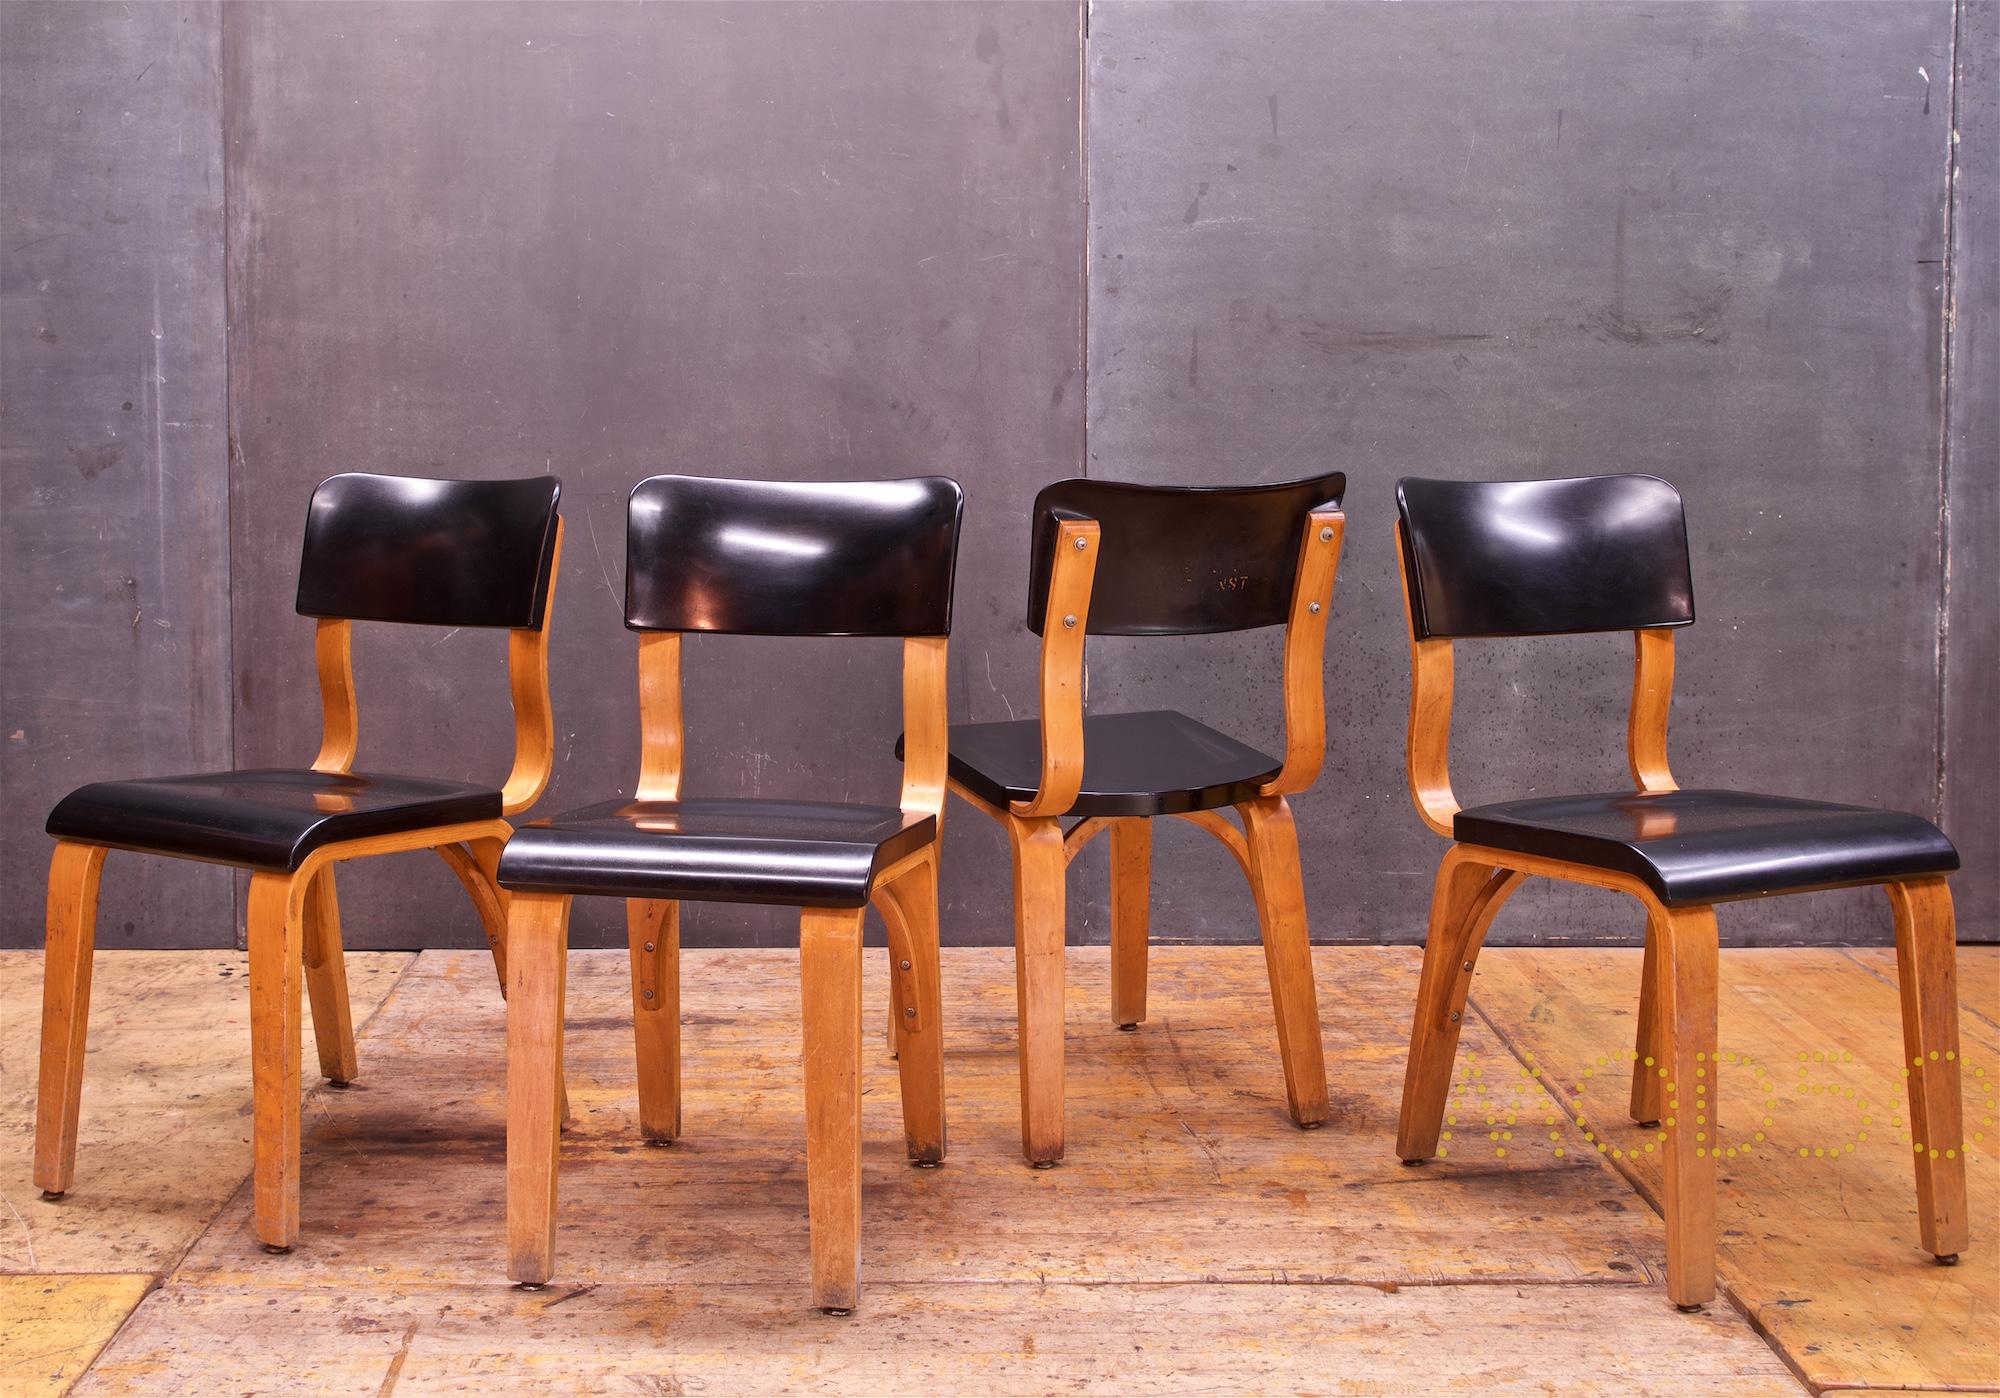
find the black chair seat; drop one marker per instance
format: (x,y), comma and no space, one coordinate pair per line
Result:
(1697,847)
(268,818)
(1145,764)
(796,853)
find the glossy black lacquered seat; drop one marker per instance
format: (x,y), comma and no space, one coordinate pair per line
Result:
(262,818)
(752,558)
(797,853)
(1694,847)
(377,549)
(1484,559)
(1111,558)
(1158,762)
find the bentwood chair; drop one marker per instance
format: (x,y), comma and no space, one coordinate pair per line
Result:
(377,548)
(753,558)
(1116,559)
(1610,553)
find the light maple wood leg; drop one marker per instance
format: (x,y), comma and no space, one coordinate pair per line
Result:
(1926,969)
(1648,1057)
(326,981)
(1467,897)
(910,913)
(537,975)
(653,928)
(830,980)
(1131,898)
(477,864)
(276,930)
(1279,886)
(1685,971)
(1039,941)
(74,873)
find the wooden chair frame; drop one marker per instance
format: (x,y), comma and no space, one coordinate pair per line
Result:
(1675,1051)
(830,941)
(1266,848)
(293,932)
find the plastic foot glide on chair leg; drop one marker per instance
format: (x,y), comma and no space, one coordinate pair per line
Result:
(277,1249)
(529,1286)
(1947,1259)
(52,1195)
(1694,1309)
(836,1311)
(1128,1028)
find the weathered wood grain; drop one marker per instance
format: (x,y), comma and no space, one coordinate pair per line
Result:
(1820,1249)
(55,1325)
(165,1132)
(983,1338)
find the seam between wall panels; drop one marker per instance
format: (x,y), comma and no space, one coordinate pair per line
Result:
(238,931)
(1946,321)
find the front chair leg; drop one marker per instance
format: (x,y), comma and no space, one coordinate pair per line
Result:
(1648,1057)
(1039,941)
(74,872)
(1279,888)
(1685,968)
(1131,895)
(1926,970)
(276,930)
(537,971)
(326,981)
(910,913)
(1467,897)
(653,928)
(830,979)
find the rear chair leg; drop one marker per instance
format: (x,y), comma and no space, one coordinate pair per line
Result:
(1279,887)
(1648,1057)
(72,937)
(326,981)
(1685,971)
(537,971)
(1039,940)
(1467,897)
(909,911)
(1131,892)
(830,979)
(653,927)
(1926,970)
(276,934)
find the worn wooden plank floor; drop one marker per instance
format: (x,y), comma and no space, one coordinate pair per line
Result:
(1193,1241)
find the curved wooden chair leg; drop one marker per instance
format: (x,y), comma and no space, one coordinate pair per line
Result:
(1467,897)
(1039,942)
(830,979)
(537,972)
(1280,891)
(1926,970)
(1131,895)
(1685,971)
(74,872)
(653,929)
(276,929)
(909,911)
(1648,1056)
(326,981)
(477,864)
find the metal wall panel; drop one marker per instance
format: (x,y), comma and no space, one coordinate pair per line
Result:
(1481,240)
(803,241)
(114,633)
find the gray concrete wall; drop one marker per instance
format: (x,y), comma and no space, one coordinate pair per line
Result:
(114,485)
(816,242)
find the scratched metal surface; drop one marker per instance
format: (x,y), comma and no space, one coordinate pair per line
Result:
(820,243)
(1701,241)
(114,628)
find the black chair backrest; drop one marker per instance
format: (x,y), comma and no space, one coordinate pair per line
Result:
(429,552)
(1544,558)
(783,558)
(1181,560)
